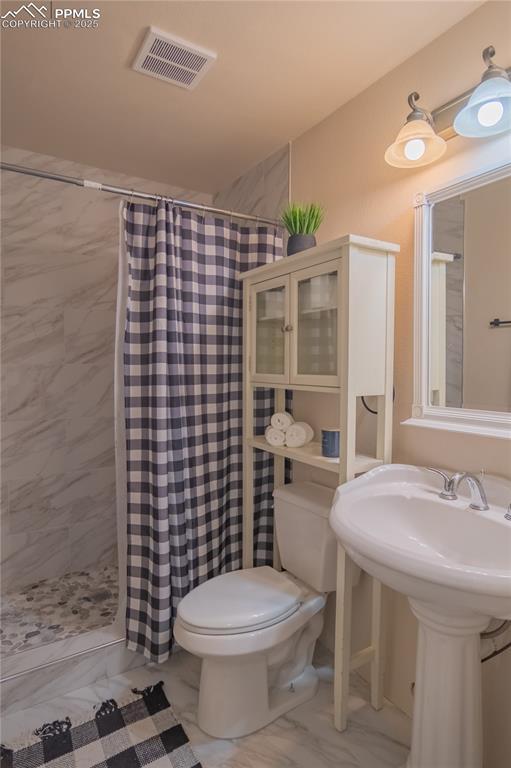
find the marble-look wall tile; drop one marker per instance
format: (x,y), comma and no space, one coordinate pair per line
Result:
(90,335)
(276,182)
(77,279)
(4,505)
(58,501)
(30,557)
(262,191)
(32,393)
(59,285)
(32,448)
(92,542)
(24,391)
(32,507)
(89,443)
(82,390)
(85,388)
(33,334)
(93,281)
(86,494)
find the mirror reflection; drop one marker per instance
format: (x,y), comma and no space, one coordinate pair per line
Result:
(470,318)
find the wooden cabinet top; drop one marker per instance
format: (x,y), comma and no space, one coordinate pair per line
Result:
(316,255)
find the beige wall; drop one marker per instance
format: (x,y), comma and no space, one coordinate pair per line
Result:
(339,163)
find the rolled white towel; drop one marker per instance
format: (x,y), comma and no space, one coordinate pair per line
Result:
(299,434)
(282,421)
(275,437)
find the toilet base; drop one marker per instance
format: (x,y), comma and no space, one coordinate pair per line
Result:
(248,679)
(235,712)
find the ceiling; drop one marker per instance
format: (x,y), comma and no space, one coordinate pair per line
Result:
(281,68)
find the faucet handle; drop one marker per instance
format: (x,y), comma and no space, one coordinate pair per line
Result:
(448,492)
(440,472)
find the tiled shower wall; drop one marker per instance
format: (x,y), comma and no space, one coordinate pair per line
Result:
(263,191)
(59,270)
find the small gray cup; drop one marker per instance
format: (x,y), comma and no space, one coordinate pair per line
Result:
(330,443)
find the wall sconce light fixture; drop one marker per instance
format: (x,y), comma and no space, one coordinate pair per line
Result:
(481,111)
(488,111)
(416,143)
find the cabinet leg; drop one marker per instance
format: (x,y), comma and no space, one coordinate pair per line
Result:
(278,477)
(377,664)
(248,507)
(342,640)
(279,465)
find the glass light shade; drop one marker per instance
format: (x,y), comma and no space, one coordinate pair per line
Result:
(416,144)
(488,111)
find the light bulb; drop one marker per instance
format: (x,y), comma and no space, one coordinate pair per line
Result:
(490,113)
(414,149)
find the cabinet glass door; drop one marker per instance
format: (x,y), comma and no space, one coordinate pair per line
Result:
(315,321)
(270,338)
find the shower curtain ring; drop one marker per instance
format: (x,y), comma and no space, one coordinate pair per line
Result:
(131,197)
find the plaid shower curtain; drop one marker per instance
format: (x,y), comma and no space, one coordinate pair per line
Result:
(183,410)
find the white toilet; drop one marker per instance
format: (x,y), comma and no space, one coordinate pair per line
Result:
(256,629)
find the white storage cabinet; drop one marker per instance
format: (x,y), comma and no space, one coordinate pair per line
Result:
(323,321)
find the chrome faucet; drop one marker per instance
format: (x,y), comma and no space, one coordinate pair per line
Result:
(477,493)
(478,498)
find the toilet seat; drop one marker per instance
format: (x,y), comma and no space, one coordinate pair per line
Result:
(240,601)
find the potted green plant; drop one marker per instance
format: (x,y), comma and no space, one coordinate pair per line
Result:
(302,222)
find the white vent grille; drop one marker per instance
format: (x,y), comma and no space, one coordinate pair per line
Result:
(169,58)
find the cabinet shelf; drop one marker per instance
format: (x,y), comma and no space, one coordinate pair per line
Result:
(311,454)
(298,387)
(316,310)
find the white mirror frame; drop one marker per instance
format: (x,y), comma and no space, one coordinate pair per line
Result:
(488,423)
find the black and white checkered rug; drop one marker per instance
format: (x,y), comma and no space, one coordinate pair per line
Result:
(142,732)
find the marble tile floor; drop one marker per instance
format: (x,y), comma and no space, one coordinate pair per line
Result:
(304,738)
(58,608)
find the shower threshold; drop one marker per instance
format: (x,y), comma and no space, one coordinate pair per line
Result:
(88,652)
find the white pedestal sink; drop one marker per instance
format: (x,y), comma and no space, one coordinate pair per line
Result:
(454,564)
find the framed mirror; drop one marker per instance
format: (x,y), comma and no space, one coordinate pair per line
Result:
(462,323)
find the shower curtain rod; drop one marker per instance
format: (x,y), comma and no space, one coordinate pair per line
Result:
(132,193)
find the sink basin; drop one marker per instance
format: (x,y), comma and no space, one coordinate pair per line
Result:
(393,522)
(454,565)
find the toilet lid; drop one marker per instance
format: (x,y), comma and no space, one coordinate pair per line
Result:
(240,601)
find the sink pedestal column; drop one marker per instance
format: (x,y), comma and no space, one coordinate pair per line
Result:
(447,721)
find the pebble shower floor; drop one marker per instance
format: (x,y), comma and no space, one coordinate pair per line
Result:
(54,609)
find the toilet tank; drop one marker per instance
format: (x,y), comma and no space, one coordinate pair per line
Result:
(307,545)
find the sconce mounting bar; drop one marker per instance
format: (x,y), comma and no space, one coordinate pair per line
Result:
(445,114)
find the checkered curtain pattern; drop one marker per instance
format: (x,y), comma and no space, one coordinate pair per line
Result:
(183,410)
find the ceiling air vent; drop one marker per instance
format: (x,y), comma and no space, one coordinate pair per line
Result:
(172,59)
